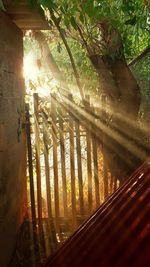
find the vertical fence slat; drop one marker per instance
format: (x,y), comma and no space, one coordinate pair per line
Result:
(47,171)
(79,163)
(63,162)
(105,174)
(95,161)
(96,178)
(51,228)
(55,156)
(72,166)
(89,159)
(30,166)
(38,168)
(55,162)
(115,183)
(111,184)
(48,188)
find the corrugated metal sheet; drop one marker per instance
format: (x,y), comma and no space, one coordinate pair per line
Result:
(118,233)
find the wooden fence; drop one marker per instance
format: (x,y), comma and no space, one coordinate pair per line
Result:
(68,175)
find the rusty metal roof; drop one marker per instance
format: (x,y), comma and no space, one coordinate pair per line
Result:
(24,16)
(118,234)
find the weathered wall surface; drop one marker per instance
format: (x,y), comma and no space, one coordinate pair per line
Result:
(12,137)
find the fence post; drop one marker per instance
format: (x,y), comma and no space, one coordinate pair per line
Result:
(105,174)
(53,240)
(30,166)
(38,168)
(63,162)
(79,163)
(55,159)
(47,175)
(95,161)
(72,165)
(89,158)
(47,171)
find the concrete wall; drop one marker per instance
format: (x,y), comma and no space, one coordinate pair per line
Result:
(12,137)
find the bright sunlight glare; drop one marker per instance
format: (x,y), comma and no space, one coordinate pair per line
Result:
(37,76)
(30,67)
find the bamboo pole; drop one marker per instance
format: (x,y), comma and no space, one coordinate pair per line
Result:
(105,174)
(63,162)
(51,230)
(72,167)
(79,163)
(47,172)
(55,159)
(115,184)
(96,178)
(89,159)
(95,162)
(38,168)
(30,166)
(111,184)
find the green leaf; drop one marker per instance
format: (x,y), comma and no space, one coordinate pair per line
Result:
(66,21)
(89,8)
(59,48)
(65,6)
(62,10)
(48,3)
(73,23)
(131,21)
(32,3)
(81,17)
(2,6)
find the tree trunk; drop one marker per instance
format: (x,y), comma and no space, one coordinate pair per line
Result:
(119,85)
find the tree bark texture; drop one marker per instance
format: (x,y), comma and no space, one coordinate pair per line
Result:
(123,149)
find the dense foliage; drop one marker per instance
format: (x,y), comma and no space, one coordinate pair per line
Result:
(129,17)
(79,23)
(141,71)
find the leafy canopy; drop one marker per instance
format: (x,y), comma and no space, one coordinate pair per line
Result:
(130,17)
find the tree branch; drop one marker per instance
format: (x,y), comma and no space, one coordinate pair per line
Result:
(139,57)
(69,52)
